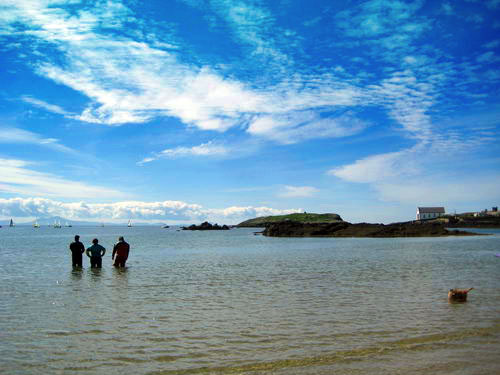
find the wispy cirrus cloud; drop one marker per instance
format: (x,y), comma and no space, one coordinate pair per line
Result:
(373,168)
(131,81)
(21,136)
(493,44)
(493,4)
(488,57)
(423,173)
(440,190)
(300,126)
(47,106)
(447,9)
(298,191)
(17,177)
(205,149)
(256,28)
(377,18)
(172,211)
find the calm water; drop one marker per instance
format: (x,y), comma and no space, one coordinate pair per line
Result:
(233,303)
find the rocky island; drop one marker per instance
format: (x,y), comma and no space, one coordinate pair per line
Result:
(470,221)
(345,229)
(264,221)
(206,226)
(312,225)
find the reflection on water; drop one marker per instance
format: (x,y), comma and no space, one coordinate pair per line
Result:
(76,273)
(237,303)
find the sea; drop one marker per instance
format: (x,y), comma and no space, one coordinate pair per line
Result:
(233,302)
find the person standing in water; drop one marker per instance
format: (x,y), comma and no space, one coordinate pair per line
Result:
(77,249)
(120,252)
(95,253)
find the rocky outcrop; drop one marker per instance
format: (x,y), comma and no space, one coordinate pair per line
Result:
(345,229)
(470,221)
(206,226)
(262,222)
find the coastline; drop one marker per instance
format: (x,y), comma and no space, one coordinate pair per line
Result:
(362,230)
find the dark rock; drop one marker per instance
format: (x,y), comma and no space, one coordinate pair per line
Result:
(470,221)
(345,229)
(206,226)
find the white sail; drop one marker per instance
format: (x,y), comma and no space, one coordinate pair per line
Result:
(129,223)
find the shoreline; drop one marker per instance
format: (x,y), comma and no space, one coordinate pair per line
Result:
(362,230)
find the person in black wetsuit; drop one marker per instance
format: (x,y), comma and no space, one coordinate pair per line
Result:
(77,249)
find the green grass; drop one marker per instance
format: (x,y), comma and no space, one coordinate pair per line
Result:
(299,217)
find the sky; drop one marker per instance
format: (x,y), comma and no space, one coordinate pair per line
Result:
(183,111)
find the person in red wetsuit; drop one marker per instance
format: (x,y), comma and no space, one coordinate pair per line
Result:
(120,252)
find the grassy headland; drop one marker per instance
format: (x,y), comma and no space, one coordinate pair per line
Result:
(262,222)
(332,225)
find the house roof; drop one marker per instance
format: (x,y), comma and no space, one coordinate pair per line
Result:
(430,210)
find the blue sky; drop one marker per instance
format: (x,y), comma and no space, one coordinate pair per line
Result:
(190,110)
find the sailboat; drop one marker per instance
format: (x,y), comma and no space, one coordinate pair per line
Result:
(68,225)
(57,224)
(36,225)
(129,224)
(11,224)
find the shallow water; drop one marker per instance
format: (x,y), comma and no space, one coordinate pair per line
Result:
(232,302)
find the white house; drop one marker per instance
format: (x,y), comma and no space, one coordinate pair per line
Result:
(424,213)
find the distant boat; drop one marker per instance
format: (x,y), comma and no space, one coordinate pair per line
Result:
(57,224)
(36,225)
(165,226)
(68,225)
(129,224)
(11,224)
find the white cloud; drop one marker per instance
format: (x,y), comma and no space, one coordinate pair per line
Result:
(375,168)
(49,107)
(375,18)
(447,9)
(408,100)
(175,211)
(475,18)
(438,190)
(132,79)
(493,4)
(426,173)
(298,191)
(16,135)
(131,82)
(300,126)
(205,149)
(410,60)
(248,212)
(17,178)
(487,57)
(255,27)
(493,44)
